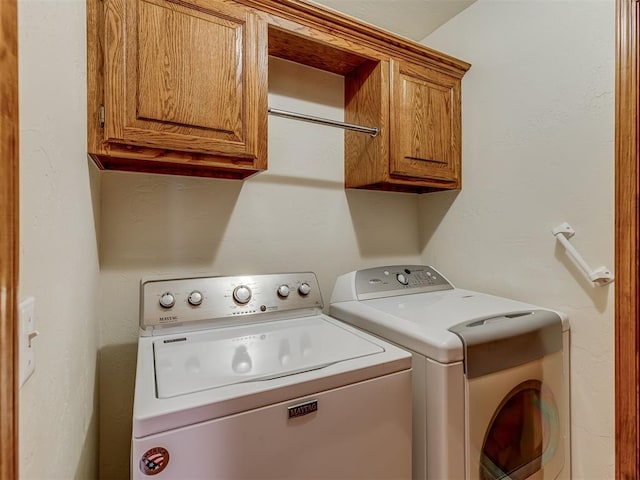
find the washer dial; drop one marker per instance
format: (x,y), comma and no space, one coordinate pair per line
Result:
(195,298)
(402,279)
(283,291)
(167,300)
(242,294)
(304,289)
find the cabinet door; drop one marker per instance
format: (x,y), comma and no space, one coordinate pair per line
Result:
(187,76)
(425,124)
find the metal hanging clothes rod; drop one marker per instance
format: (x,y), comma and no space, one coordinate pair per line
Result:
(373,131)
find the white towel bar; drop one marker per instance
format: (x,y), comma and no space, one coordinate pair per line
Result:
(600,276)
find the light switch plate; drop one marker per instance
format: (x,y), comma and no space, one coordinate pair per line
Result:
(27,333)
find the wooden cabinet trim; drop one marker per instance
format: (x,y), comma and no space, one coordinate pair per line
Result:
(9,241)
(367,103)
(627,241)
(317,49)
(95,77)
(386,43)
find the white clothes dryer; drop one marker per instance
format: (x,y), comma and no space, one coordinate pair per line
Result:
(490,374)
(243,377)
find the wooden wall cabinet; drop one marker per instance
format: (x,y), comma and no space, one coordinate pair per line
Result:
(419,111)
(180,86)
(425,127)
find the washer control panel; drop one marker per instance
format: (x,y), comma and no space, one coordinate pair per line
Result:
(398,280)
(219,299)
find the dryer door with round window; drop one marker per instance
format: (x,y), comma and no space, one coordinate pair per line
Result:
(523,436)
(514,397)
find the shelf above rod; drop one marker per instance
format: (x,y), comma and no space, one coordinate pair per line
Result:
(323,121)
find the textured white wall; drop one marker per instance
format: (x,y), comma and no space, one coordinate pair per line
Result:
(58,250)
(538,124)
(294,217)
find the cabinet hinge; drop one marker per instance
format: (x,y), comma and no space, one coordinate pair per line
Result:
(101,116)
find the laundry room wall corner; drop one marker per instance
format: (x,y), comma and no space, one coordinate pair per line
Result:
(538,131)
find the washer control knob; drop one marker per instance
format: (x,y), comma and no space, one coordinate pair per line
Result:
(195,298)
(283,291)
(402,279)
(304,289)
(167,300)
(242,294)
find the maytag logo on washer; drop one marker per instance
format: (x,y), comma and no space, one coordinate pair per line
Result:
(303,409)
(154,461)
(169,318)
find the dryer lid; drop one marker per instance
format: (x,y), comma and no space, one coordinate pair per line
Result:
(251,353)
(421,322)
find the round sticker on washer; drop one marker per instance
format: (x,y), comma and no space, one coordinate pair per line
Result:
(154,461)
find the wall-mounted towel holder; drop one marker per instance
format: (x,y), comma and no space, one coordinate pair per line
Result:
(600,276)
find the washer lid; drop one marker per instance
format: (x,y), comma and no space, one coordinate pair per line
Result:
(250,353)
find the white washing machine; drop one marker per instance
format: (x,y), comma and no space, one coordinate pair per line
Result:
(243,377)
(490,374)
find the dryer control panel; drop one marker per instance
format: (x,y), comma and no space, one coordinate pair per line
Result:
(398,280)
(223,300)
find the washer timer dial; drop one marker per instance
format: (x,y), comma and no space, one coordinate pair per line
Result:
(167,300)
(242,294)
(195,298)
(283,291)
